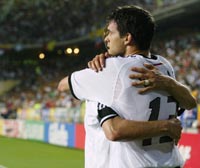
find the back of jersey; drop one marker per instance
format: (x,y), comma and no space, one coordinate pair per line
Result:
(154,105)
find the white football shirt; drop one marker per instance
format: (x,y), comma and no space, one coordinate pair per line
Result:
(112,87)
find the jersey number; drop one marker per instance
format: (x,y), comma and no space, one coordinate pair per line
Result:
(155,106)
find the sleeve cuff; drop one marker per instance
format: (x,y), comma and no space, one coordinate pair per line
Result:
(70,87)
(105,114)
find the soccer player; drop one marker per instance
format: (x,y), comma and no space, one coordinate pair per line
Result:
(116,128)
(130,31)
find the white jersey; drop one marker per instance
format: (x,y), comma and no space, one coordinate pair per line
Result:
(112,87)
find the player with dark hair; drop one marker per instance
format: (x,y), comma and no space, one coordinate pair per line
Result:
(109,94)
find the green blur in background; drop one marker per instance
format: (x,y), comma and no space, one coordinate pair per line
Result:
(17,153)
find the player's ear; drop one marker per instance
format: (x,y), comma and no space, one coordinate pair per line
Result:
(128,39)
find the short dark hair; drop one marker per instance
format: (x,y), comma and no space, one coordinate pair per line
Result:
(137,21)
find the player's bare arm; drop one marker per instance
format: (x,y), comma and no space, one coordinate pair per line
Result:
(117,129)
(154,80)
(63,84)
(157,81)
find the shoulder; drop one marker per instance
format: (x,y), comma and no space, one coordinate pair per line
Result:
(163,59)
(166,64)
(123,60)
(83,71)
(124,64)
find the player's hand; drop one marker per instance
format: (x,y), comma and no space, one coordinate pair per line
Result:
(63,85)
(174,129)
(98,62)
(149,77)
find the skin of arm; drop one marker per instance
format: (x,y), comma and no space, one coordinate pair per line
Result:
(63,85)
(163,82)
(181,93)
(117,129)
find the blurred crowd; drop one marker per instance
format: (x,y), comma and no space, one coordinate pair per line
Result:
(35,96)
(39,21)
(183,52)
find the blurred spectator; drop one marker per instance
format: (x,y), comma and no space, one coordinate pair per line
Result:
(25,22)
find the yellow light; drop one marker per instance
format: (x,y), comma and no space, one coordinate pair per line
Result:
(68,50)
(41,55)
(76,50)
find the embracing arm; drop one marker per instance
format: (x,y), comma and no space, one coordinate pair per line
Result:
(158,81)
(181,93)
(63,84)
(117,129)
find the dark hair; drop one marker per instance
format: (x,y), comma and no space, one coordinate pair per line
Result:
(137,21)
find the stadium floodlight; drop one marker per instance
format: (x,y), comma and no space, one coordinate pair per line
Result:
(76,51)
(41,56)
(68,51)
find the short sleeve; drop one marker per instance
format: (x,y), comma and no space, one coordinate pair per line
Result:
(90,85)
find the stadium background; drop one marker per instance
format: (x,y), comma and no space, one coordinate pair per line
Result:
(43,41)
